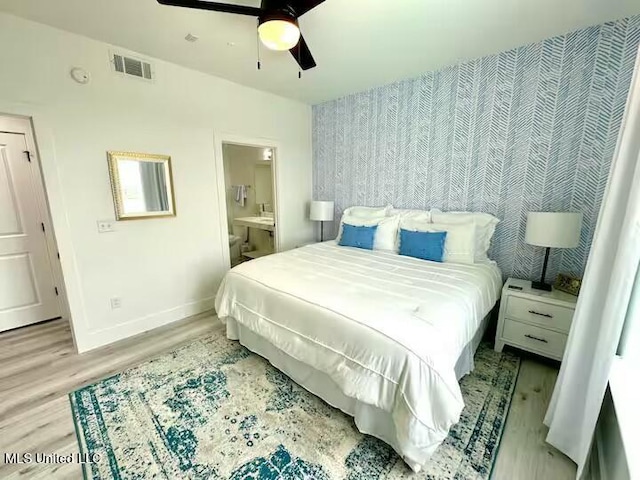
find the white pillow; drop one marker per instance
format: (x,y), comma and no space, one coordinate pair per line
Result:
(386,237)
(368,212)
(485,225)
(414,219)
(459,244)
(363,213)
(408,212)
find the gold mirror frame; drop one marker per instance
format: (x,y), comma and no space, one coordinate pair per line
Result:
(116,189)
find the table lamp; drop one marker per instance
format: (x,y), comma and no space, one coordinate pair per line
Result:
(552,230)
(321,211)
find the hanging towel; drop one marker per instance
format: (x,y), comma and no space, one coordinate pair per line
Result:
(241,194)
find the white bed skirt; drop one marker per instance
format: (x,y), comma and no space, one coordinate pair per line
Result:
(369,419)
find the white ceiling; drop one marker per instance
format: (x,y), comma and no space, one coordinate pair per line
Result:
(358,44)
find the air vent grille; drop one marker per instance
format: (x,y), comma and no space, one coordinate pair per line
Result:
(118,63)
(131,66)
(146,70)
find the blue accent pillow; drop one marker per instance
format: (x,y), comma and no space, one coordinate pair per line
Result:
(424,245)
(359,237)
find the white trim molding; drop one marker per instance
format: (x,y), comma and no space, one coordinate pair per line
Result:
(221,138)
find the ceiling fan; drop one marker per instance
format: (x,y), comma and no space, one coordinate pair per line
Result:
(277,23)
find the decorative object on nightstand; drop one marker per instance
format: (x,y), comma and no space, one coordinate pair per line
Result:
(534,320)
(321,211)
(568,283)
(552,230)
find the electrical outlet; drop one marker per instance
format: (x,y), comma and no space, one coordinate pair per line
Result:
(105,226)
(116,302)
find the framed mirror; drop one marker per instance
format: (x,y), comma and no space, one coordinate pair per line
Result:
(142,185)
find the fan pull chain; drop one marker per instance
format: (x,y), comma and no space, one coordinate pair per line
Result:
(258,43)
(299,57)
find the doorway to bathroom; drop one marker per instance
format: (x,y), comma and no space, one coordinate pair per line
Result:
(250,201)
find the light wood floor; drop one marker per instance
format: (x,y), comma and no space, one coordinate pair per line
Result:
(38,368)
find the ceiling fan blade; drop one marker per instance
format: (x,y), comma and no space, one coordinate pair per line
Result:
(214,6)
(302,54)
(303,6)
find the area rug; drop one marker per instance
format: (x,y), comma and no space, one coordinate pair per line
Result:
(214,410)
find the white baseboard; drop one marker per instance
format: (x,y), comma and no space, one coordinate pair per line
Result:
(121,331)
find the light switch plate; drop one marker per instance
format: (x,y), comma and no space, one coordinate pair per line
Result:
(105,226)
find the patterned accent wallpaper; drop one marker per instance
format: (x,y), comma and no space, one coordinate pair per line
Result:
(534,128)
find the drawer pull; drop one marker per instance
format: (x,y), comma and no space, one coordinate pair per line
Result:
(541,314)
(535,338)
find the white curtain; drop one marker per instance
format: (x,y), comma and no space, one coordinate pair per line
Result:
(604,298)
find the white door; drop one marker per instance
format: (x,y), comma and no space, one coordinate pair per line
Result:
(27,290)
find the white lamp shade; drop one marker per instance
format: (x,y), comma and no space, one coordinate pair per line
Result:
(553,229)
(321,211)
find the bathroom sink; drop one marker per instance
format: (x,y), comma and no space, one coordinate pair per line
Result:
(262,223)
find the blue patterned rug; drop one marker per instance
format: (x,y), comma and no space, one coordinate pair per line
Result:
(214,410)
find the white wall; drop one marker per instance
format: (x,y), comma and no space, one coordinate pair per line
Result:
(164,269)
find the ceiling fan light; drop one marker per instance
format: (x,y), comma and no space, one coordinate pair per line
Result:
(279,34)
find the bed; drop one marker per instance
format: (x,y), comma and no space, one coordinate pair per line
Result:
(383,337)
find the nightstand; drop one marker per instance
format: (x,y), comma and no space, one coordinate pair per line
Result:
(534,320)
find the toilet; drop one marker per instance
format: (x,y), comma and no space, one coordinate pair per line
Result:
(234,248)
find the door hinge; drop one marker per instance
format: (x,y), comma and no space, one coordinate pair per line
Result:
(58,255)
(56,289)
(28,154)
(42,225)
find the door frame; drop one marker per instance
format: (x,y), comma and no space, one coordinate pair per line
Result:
(24,125)
(221,138)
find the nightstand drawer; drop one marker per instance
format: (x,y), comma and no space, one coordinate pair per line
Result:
(536,338)
(539,313)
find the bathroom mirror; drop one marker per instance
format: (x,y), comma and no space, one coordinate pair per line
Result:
(262,182)
(142,185)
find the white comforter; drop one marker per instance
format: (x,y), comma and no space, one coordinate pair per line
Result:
(387,329)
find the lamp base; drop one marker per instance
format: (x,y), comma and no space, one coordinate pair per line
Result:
(541,286)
